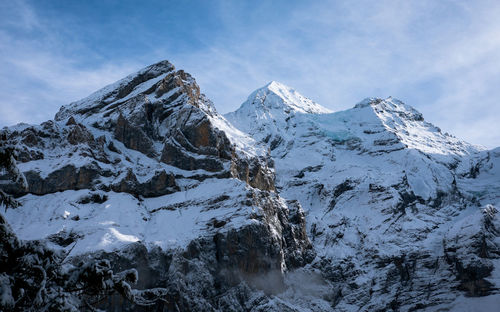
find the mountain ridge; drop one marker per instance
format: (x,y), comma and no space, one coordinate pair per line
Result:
(282,205)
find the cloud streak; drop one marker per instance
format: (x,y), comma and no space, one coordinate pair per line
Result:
(35,77)
(441,57)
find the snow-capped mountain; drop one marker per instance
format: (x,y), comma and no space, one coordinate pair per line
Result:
(267,111)
(282,205)
(382,190)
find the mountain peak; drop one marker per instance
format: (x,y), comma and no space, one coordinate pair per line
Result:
(390,106)
(277,97)
(271,109)
(408,125)
(153,84)
(276,86)
(164,64)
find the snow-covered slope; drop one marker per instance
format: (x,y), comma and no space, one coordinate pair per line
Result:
(381,188)
(375,138)
(168,221)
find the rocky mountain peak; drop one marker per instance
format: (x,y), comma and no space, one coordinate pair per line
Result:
(147,127)
(159,83)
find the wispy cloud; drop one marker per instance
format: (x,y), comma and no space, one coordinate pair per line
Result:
(443,57)
(35,77)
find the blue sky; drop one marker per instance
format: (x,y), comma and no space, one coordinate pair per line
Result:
(442,57)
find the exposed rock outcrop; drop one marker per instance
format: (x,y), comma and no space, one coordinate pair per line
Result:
(133,137)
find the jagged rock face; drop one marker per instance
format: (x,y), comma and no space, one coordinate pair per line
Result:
(194,143)
(254,173)
(160,184)
(133,137)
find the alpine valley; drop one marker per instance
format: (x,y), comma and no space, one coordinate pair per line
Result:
(142,197)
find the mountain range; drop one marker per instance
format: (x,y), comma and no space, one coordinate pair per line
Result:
(281,205)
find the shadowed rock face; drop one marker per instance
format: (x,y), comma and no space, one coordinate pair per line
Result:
(196,144)
(469,250)
(79,134)
(66,178)
(133,137)
(160,184)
